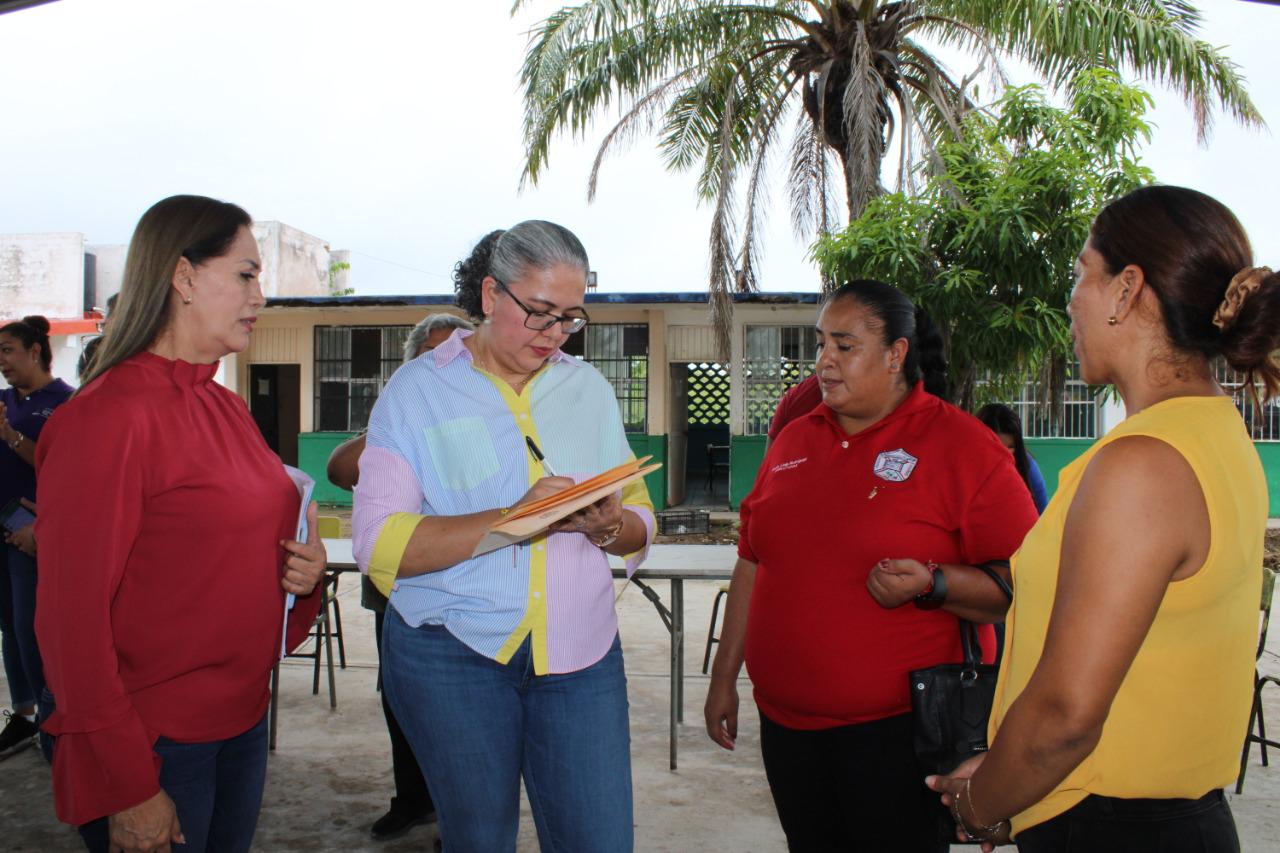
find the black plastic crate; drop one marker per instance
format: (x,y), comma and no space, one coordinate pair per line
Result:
(684,521)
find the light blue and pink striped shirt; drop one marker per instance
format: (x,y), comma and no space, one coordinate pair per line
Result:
(447,438)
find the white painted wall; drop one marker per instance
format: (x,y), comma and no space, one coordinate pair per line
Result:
(41,274)
(294,263)
(108,265)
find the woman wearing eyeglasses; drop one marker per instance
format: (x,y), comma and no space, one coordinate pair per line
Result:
(507,665)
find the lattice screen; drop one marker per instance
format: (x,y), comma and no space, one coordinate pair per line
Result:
(708,394)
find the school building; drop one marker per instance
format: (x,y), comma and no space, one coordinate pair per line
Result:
(316,364)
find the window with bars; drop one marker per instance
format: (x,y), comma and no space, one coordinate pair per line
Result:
(1264,424)
(777,357)
(352,364)
(620,351)
(1077,416)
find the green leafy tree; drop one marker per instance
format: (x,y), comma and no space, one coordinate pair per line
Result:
(721,82)
(988,245)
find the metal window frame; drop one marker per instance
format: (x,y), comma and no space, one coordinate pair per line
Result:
(1264,425)
(628,373)
(331,357)
(1080,416)
(766,377)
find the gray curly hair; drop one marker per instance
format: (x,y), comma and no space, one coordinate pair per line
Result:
(429,324)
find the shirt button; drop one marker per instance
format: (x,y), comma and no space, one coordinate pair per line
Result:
(524,416)
(537,547)
(537,595)
(844,444)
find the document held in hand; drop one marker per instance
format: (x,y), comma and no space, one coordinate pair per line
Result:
(305,485)
(532,518)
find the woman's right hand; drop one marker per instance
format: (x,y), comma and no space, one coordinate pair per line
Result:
(148,827)
(721,711)
(544,488)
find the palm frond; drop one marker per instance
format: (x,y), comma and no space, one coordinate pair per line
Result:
(864,98)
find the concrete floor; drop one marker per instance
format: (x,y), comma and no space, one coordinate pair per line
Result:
(330,776)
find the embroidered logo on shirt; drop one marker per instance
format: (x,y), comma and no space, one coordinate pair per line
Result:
(787,466)
(895,465)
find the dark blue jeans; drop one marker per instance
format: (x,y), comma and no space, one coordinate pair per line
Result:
(478,727)
(22,666)
(216,788)
(1111,825)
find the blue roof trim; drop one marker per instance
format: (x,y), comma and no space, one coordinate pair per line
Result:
(592,299)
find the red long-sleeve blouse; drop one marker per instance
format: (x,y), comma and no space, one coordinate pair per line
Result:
(159,606)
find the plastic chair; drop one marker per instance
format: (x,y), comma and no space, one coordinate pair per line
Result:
(1259,681)
(330,527)
(711,629)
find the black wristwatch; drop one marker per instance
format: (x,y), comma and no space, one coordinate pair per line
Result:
(936,594)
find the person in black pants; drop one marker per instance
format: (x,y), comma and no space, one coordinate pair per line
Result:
(412,804)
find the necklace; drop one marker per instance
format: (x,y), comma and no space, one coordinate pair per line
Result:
(517,385)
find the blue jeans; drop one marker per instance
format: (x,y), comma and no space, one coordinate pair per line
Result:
(216,788)
(22,666)
(478,726)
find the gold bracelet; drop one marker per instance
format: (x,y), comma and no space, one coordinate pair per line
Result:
(978,832)
(611,536)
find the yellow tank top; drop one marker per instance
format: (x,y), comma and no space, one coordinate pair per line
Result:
(1178,721)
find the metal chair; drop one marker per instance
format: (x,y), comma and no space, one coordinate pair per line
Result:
(1259,681)
(326,628)
(711,629)
(716,465)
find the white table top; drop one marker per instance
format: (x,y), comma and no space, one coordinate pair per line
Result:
(665,562)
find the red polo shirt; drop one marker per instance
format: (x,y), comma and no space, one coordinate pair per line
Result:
(928,482)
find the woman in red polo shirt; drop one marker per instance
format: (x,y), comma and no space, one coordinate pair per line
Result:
(882,499)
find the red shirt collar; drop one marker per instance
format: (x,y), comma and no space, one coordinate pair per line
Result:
(917,400)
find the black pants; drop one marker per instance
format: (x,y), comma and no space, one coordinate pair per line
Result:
(852,788)
(412,796)
(1111,825)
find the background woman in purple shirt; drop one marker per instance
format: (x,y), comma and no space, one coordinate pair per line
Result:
(25,406)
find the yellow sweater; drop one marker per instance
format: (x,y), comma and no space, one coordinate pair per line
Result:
(1177,724)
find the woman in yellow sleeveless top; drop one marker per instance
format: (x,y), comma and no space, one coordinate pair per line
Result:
(1125,688)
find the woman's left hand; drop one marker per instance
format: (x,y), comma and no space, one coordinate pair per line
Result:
(893,583)
(594,521)
(950,786)
(24,539)
(307,560)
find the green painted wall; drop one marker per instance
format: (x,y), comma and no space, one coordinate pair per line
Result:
(1269,453)
(1054,454)
(745,455)
(655,446)
(313,457)
(746,452)
(314,449)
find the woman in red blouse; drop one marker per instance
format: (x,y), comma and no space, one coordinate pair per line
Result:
(855,559)
(166,532)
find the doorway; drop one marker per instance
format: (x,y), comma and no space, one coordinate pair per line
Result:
(275,403)
(700,420)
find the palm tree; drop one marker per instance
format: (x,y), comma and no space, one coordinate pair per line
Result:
(720,81)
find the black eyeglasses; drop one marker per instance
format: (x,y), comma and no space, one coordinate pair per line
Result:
(540,321)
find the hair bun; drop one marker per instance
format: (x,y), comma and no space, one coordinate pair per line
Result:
(1251,336)
(39,323)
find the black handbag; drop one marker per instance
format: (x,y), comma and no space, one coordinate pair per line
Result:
(950,706)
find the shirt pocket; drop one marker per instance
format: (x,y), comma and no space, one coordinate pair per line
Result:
(462,453)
